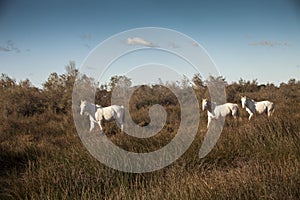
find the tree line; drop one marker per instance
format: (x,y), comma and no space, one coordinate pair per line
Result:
(22,99)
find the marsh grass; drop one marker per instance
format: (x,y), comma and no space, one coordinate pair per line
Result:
(42,157)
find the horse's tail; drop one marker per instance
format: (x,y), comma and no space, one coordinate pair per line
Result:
(271,110)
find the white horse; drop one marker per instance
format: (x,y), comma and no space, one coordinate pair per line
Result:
(216,111)
(257,107)
(97,114)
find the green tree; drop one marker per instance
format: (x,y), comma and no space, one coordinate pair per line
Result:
(120,81)
(58,89)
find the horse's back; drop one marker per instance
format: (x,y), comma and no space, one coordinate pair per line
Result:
(268,104)
(117,108)
(234,107)
(264,106)
(110,112)
(223,110)
(231,105)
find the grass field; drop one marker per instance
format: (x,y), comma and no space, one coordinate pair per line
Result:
(42,157)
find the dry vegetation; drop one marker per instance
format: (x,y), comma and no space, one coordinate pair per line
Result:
(42,157)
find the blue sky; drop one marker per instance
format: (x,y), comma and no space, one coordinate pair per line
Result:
(246,39)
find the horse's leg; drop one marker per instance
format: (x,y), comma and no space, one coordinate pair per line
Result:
(122,127)
(234,115)
(91,126)
(250,116)
(270,112)
(119,123)
(92,123)
(208,121)
(121,120)
(99,122)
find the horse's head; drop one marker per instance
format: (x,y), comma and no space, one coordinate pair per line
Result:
(243,101)
(205,104)
(83,105)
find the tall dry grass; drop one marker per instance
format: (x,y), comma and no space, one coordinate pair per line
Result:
(42,157)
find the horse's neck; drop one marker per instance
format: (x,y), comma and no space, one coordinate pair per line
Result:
(251,104)
(92,109)
(212,106)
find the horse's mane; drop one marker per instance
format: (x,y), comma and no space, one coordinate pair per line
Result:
(210,105)
(249,99)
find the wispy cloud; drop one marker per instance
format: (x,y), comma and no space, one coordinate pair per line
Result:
(9,47)
(139,41)
(195,44)
(268,43)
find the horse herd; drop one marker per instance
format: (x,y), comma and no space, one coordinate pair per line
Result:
(98,113)
(216,111)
